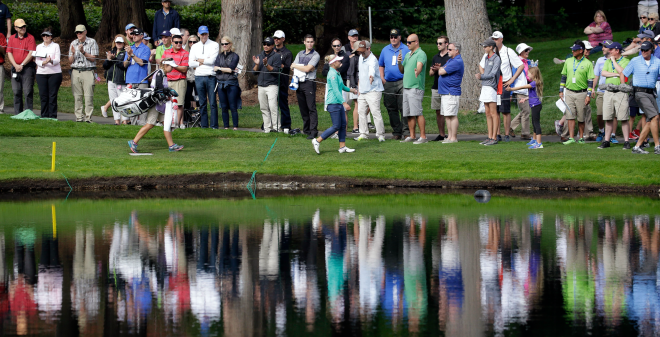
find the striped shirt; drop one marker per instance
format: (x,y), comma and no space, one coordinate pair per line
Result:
(90,47)
(645,75)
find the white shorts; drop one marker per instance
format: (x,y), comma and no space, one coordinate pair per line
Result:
(488,95)
(450,105)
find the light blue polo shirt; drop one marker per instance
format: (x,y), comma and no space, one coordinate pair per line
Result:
(598,68)
(136,72)
(392,73)
(645,75)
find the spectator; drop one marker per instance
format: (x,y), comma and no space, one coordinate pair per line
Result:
(644,23)
(137,67)
(191,90)
(575,89)
(304,67)
(165,45)
(371,91)
(128,30)
(615,104)
(413,67)
(49,74)
(489,75)
(393,83)
(343,68)
(3,50)
(19,53)
(522,97)
(165,18)
(176,79)
(283,95)
(644,81)
(185,34)
(439,61)
(159,82)
(202,56)
(268,65)
(449,87)
(335,103)
(6,15)
(510,61)
(353,36)
(115,73)
(535,91)
(598,93)
(82,55)
(599,30)
(633,48)
(229,91)
(653,23)
(352,82)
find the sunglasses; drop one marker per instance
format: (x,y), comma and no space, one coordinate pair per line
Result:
(79,32)
(450,49)
(411,42)
(526,51)
(268,44)
(651,19)
(21,27)
(336,45)
(642,17)
(46,35)
(394,37)
(192,42)
(177,42)
(225,44)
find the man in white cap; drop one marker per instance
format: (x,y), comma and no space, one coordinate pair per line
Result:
(287,59)
(510,61)
(371,90)
(82,54)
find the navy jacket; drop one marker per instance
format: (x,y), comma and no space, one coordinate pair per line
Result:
(162,23)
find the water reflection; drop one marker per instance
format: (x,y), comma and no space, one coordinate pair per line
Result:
(342,271)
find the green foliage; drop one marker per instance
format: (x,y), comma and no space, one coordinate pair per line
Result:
(204,13)
(423,17)
(295,18)
(515,24)
(40,15)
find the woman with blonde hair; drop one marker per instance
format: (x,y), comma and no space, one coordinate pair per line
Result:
(229,92)
(598,31)
(115,74)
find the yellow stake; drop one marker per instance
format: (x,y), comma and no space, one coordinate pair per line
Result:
(52,167)
(54,222)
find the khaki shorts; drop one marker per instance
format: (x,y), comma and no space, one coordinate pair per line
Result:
(576,107)
(436,102)
(615,104)
(450,105)
(412,102)
(180,87)
(599,103)
(153,116)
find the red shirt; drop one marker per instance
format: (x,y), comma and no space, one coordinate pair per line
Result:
(3,43)
(20,47)
(181,59)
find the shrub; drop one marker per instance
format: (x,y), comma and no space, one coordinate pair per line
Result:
(295,18)
(39,15)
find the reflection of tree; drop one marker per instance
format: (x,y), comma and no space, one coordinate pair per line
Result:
(490,261)
(85,295)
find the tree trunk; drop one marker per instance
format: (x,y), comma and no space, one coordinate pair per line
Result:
(71,14)
(242,22)
(457,13)
(116,14)
(340,17)
(536,8)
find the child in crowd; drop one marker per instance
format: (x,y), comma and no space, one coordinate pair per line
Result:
(535,88)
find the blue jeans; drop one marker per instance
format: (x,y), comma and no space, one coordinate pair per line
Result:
(338,116)
(229,101)
(205,86)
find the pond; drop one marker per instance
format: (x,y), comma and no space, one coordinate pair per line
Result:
(398,264)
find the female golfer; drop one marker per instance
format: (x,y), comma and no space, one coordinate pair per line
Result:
(489,77)
(159,82)
(535,90)
(335,102)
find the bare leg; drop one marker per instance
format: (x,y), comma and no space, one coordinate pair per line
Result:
(625,129)
(356,116)
(608,130)
(571,128)
(422,126)
(411,126)
(452,126)
(581,129)
(440,120)
(168,137)
(614,125)
(652,127)
(143,131)
(601,122)
(496,122)
(507,123)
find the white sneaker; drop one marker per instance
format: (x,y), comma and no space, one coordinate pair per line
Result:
(421,141)
(408,140)
(346,149)
(104,111)
(182,126)
(286,131)
(381,138)
(316,144)
(361,137)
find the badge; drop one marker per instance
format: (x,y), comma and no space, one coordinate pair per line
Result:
(574,80)
(393,60)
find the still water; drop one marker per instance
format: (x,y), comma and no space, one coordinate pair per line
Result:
(415,264)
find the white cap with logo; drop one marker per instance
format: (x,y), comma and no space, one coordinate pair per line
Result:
(497,35)
(278,34)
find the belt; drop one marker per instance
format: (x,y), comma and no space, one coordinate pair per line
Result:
(578,91)
(646,90)
(83,69)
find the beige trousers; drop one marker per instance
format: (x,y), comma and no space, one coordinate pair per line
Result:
(268,105)
(82,84)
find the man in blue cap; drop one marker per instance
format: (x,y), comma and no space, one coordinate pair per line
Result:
(202,56)
(166,18)
(645,69)
(128,30)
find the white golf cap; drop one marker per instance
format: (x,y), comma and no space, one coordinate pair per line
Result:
(279,34)
(119,39)
(522,47)
(335,59)
(170,63)
(175,31)
(587,45)
(497,35)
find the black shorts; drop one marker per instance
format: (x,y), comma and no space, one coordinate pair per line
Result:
(505,106)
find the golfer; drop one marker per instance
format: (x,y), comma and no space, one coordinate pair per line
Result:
(159,82)
(335,102)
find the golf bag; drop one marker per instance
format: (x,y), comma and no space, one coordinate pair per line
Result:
(134,102)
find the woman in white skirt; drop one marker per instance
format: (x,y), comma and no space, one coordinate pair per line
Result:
(490,76)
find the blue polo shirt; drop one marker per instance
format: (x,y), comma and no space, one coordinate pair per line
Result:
(135,72)
(598,68)
(645,75)
(450,83)
(392,73)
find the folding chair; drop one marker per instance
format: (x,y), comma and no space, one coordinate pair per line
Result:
(192,118)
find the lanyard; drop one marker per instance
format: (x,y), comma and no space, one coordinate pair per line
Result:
(578,65)
(617,62)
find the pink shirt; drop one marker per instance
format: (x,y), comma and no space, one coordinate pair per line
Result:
(52,50)
(595,39)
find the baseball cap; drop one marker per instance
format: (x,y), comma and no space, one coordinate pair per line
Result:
(119,39)
(46,32)
(146,36)
(203,30)
(279,34)
(353,32)
(606,43)
(587,45)
(80,28)
(355,46)
(19,23)
(489,43)
(170,63)
(522,47)
(497,35)
(137,31)
(363,45)
(269,41)
(175,31)
(615,45)
(166,33)
(578,45)
(395,32)
(646,45)
(646,34)
(129,26)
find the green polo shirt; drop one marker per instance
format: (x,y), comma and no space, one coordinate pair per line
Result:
(609,67)
(584,71)
(161,50)
(409,66)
